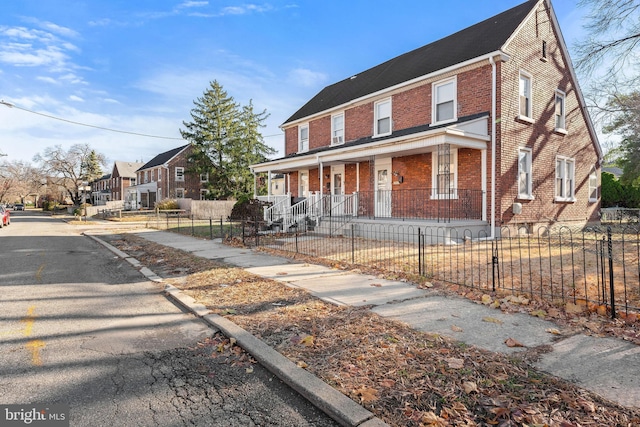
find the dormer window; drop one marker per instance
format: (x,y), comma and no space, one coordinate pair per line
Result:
(544,50)
(444,100)
(337,129)
(525,103)
(382,117)
(303,138)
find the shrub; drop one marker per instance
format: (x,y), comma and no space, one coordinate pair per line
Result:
(167,204)
(248,209)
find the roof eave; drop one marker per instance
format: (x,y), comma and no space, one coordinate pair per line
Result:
(503,57)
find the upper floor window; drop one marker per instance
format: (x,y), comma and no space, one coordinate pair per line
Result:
(560,115)
(179,174)
(337,129)
(159,174)
(204,177)
(382,117)
(146,176)
(525,187)
(444,100)
(565,179)
(525,96)
(303,138)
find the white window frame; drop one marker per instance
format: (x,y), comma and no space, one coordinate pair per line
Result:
(179,193)
(179,174)
(204,177)
(337,132)
(203,193)
(453,170)
(560,118)
(436,102)
(146,176)
(301,192)
(526,193)
(565,179)
(378,117)
(593,185)
(303,144)
(525,115)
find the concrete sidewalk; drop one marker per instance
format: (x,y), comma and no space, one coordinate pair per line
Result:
(606,366)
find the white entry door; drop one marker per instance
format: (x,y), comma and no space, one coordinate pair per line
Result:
(383,188)
(337,190)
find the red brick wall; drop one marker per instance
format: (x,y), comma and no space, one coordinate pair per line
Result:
(549,75)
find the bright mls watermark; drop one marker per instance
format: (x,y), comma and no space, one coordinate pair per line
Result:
(35,415)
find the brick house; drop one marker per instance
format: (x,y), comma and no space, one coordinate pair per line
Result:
(166,177)
(123,176)
(487,126)
(101,190)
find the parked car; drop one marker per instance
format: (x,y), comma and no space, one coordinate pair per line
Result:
(18,207)
(5,215)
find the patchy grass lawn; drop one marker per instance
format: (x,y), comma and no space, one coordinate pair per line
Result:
(405,377)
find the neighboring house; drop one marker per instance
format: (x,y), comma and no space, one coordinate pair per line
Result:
(123,176)
(101,190)
(165,176)
(487,125)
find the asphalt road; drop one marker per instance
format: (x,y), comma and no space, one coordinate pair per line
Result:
(79,326)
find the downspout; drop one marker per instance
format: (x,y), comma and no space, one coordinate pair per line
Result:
(494,78)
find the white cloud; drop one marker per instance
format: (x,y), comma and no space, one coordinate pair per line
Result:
(48,80)
(307,78)
(245,9)
(188,4)
(75,98)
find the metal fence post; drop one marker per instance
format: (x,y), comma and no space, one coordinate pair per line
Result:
(210,228)
(611,284)
(193,230)
(353,244)
(222,228)
(419,252)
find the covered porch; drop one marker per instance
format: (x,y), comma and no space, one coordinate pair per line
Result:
(435,175)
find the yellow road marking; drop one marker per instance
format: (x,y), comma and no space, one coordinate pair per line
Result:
(39,272)
(35,346)
(29,320)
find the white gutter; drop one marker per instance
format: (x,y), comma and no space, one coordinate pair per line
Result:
(493,146)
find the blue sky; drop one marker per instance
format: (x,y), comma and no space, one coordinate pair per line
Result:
(137,65)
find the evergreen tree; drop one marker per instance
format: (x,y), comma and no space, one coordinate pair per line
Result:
(225,138)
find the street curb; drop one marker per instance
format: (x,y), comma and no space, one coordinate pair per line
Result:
(326,398)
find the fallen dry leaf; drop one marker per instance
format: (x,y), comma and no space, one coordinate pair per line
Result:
(367,394)
(470,387)
(486,299)
(455,328)
(377,285)
(302,364)
(572,308)
(492,320)
(455,363)
(510,342)
(553,331)
(307,341)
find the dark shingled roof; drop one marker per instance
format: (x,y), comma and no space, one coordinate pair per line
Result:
(162,158)
(480,39)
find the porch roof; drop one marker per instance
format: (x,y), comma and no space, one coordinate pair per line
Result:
(467,132)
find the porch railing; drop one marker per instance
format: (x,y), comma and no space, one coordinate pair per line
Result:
(422,203)
(281,204)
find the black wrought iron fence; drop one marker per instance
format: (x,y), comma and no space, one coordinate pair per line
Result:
(594,268)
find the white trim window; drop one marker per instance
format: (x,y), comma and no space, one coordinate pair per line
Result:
(146,176)
(179,174)
(560,112)
(525,181)
(445,104)
(525,103)
(179,193)
(444,177)
(565,179)
(203,194)
(337,129)
(204,177)
(593,185)
(303,138)
(382,112)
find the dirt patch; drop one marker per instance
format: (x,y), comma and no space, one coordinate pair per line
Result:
(405,377)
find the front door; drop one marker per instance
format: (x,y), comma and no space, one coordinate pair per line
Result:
(383,188)
(337,190)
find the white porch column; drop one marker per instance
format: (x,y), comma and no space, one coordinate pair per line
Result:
(483,161)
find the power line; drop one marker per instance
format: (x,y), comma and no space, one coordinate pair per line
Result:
(3,102)
(85,124)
